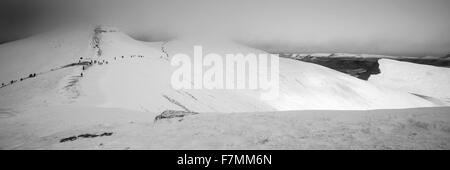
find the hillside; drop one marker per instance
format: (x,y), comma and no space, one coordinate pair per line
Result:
(414,78)
(104,90)
(135,75)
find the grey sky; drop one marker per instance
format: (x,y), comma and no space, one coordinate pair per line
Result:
(399,27)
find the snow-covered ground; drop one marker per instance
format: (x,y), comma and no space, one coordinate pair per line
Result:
(414,78)
(43,52)
(45,127)
(113,103)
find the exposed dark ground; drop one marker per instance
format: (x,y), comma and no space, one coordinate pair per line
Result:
(363,68)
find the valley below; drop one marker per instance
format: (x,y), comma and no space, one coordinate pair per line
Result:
(362,67)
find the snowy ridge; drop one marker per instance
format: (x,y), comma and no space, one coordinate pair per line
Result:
(135,75)
(123,99)
(43,52)
(414,78)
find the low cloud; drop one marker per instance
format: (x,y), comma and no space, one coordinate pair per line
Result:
(401,27)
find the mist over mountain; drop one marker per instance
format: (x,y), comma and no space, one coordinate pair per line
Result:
(403,27)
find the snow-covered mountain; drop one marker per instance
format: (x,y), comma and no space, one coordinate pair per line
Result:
(418,79)
(43,52)
(104,90)
(135,75)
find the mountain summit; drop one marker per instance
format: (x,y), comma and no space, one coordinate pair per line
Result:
(107,68)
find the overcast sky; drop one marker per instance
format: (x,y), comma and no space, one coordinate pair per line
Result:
(398,27)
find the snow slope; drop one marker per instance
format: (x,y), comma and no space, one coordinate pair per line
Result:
(140,80)
(309,86)
(144,83)
(43,52)
(122,96)
(44,128)
(414,78)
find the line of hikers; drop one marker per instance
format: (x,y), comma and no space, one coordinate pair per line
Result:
(32,75)
(98,62)
(103,61)
(79,61)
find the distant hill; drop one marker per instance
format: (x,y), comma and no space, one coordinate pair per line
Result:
(362,66)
